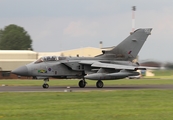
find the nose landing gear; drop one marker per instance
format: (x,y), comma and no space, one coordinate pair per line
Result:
(45,85)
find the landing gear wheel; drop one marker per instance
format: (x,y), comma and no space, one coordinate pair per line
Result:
(99,84)
(46,85)
(82,83)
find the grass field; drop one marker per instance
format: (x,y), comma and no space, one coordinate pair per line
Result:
(93,105)
(159,73)
(64,82)
(100,105)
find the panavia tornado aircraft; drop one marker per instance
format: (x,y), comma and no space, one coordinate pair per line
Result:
(110,65)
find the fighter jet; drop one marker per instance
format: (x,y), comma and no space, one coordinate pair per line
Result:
(110,65)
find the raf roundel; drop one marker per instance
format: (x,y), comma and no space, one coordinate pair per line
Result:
(49,69)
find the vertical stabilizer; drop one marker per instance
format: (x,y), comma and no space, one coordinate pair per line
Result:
(130,47)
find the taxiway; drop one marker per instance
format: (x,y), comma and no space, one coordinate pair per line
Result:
(77,89)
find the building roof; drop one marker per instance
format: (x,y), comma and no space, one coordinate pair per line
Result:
(17,52)
(85,52)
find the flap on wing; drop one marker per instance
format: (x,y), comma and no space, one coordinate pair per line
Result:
(116,66)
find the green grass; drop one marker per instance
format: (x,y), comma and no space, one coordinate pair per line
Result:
(100,105)
(64,82)
(159,73)
(93,105)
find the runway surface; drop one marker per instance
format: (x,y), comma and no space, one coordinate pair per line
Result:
(77,89)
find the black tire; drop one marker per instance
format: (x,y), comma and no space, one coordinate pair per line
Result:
(99,84)
(45,85)
(81,84)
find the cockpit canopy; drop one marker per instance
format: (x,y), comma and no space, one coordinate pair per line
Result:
(46,58)
(49,58)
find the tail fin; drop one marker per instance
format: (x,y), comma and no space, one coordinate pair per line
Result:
(130,47)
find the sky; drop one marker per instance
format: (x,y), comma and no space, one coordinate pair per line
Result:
(58,25)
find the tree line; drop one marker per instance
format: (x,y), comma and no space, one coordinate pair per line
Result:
(14,37)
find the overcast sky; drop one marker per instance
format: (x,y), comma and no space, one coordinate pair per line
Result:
(57,25)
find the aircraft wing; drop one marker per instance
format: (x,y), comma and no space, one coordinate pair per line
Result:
(87,62)
(151,68)
(117,66)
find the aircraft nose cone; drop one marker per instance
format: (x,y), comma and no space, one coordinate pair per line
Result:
(23,71)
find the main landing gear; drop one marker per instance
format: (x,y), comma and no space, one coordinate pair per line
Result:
(82,83)
(45,85)
(99,84)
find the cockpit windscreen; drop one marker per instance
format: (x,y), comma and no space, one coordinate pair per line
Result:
(47,58)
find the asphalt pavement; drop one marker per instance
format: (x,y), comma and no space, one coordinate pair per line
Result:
(77,89)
